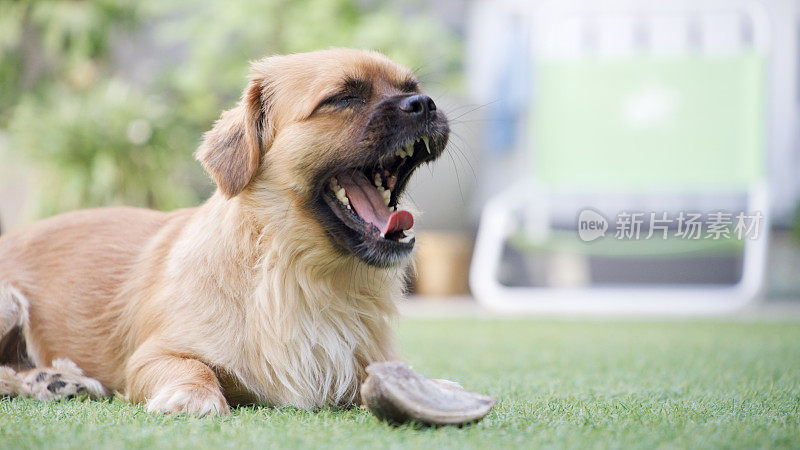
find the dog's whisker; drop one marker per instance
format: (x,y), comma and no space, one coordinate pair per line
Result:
(475,109)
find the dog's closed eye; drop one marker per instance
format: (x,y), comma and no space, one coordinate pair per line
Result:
(353,93)
(346,100)
(340,101)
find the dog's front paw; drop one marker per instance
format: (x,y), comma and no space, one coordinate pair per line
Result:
(189,399)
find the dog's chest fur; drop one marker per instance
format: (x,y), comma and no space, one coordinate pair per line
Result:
(312,350)
(306,323)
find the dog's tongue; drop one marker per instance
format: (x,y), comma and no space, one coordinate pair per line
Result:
(368,203)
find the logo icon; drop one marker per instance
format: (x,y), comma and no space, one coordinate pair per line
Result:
(591,225)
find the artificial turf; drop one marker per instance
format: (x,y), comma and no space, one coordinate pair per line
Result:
(575,384)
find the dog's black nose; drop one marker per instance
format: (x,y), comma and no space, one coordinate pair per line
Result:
(418,105)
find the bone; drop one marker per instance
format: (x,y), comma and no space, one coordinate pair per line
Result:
(397,394)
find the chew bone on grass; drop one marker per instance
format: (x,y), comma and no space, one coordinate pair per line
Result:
(397,394)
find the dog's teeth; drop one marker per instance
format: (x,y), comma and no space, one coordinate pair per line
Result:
(386,194)
(427,147)
(392,208)
(340,194)
(409,236)
(377,180)
(410,148)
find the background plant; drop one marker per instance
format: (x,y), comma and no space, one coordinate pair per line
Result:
(98,130)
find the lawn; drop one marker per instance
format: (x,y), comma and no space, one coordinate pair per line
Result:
(560,384)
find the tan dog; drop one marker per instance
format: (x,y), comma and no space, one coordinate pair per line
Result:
(277,290)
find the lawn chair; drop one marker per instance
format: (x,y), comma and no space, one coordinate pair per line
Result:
(676,130)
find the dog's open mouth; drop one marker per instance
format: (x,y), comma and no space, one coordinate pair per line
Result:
(365,200)
(369,202)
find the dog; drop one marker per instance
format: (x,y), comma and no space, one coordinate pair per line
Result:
(278,290)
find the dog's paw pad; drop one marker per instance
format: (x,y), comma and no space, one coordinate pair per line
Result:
(59,383)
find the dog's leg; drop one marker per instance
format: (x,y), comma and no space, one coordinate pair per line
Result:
(10,384)
(62,380)
(13,314)
(13,310)
(174,383)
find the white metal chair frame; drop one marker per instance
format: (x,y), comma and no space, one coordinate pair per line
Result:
(498,223)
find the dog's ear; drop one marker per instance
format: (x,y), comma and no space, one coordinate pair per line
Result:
(232,149)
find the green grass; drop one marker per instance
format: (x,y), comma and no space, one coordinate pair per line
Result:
(560,384)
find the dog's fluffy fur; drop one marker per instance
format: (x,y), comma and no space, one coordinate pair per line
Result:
(245,299)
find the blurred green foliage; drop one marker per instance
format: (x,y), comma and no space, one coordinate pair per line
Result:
(100,131)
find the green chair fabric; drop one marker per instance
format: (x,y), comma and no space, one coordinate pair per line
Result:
(685,123)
